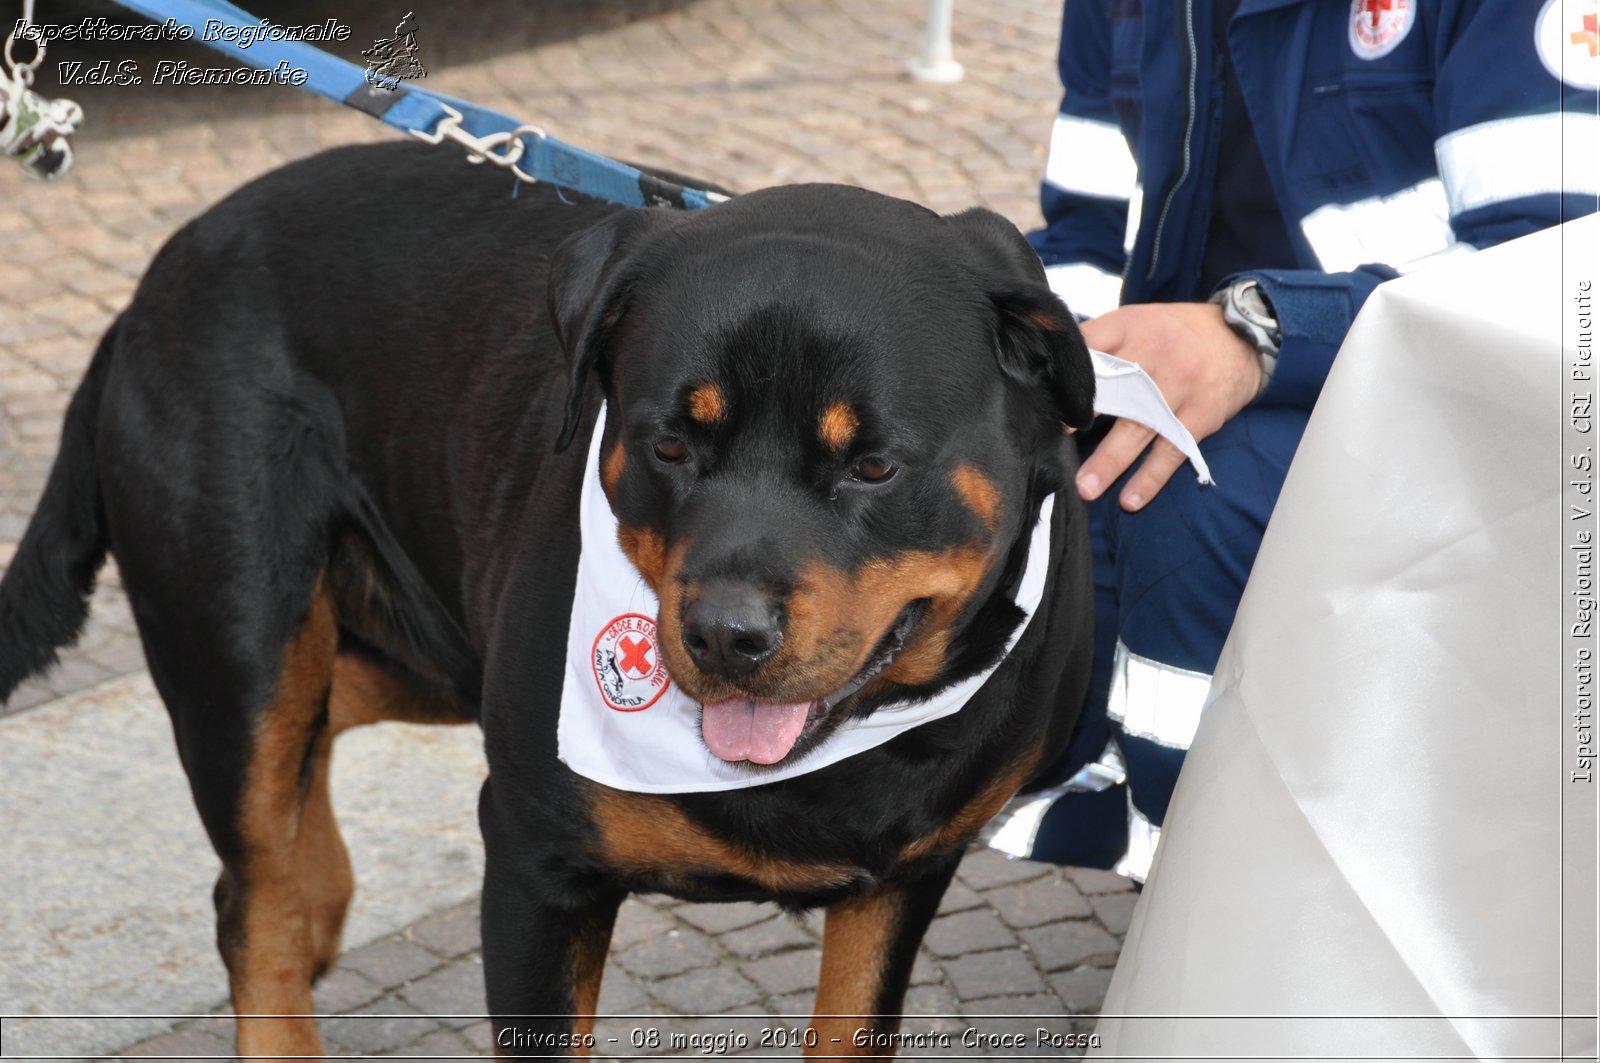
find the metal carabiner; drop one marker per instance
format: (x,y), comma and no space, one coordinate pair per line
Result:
(503,149)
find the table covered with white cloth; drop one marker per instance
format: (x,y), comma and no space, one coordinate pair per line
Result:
(1376,848)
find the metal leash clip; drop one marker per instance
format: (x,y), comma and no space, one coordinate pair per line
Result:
(34,130)
(503,149)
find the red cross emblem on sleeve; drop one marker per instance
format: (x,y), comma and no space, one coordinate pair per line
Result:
(1378,26)
(1589,36)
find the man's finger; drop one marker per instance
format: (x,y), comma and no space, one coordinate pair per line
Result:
(1103,333)
(1118,450)
(1154,472)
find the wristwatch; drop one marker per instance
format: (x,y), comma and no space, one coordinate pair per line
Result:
(1249,313)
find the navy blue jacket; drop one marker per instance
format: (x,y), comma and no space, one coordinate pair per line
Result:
(1392,131)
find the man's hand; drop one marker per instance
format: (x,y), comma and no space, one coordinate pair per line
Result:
(1206,372)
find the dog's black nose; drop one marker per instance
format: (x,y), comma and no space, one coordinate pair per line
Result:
(731,628)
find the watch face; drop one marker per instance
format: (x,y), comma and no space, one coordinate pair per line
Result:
(1252,313)
(1253,303)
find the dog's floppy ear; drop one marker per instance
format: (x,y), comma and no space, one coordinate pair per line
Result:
(1037,339)
(589,287)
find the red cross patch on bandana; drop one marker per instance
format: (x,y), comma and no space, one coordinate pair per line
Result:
(627,663)
(1378,26)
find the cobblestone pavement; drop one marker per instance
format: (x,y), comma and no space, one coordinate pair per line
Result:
(747,92)
(1017,947)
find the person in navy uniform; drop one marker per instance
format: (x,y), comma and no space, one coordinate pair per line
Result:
(1228,181)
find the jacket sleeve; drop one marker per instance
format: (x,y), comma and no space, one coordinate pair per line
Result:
(1518,150)
(1090,174)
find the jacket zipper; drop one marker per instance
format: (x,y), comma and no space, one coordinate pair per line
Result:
(1188,138)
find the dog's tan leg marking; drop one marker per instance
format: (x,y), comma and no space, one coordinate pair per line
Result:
(268,932)
(361,693)
(856,939)
(322,864)
(588,966)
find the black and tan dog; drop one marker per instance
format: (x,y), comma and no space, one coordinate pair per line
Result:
(328,444)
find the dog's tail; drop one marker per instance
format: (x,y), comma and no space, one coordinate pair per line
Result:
(44,594)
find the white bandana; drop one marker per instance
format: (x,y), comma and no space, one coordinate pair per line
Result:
(623,722)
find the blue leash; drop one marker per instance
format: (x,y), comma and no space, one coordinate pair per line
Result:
(487,135)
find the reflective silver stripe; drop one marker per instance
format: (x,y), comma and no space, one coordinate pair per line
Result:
(1099,775)
(1130,232)
(1087,290)
(1395,230)
(1156,701)
(1143,837)
(1015,828)
(1090,158)
(1516,157)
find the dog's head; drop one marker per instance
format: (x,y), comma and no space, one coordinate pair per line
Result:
(832,416)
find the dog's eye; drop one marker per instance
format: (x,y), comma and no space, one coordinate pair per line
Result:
(671,450)
(873,470)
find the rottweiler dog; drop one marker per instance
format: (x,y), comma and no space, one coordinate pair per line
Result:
(330,446)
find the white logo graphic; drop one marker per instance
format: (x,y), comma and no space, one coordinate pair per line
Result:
(1378,26)
(1567,36)
(627,663)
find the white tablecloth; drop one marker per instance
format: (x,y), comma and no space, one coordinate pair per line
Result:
(1365,853)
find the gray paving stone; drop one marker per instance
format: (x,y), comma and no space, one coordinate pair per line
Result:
(706,991)
(924,971)
(959,897)
(449,933)
(1003,972)
(638,922)
(984,869)
(718,918)
(775,935)
(455,991)
(964,932)
(621,994)
(1094,881)
(342,989)
(480,1035)
(391,961)
(1070,944)
(659,901)
(431,1046)
(1082,989)
(787,972)
(672,953)
(76,673)
(1115,910)
(381,1026)
(932,1007)
(792,1008)
(180,1044)
(1038,901)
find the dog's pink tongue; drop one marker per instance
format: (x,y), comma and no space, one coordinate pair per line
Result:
(762,731)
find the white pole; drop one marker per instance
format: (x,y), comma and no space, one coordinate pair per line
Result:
(937,61)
